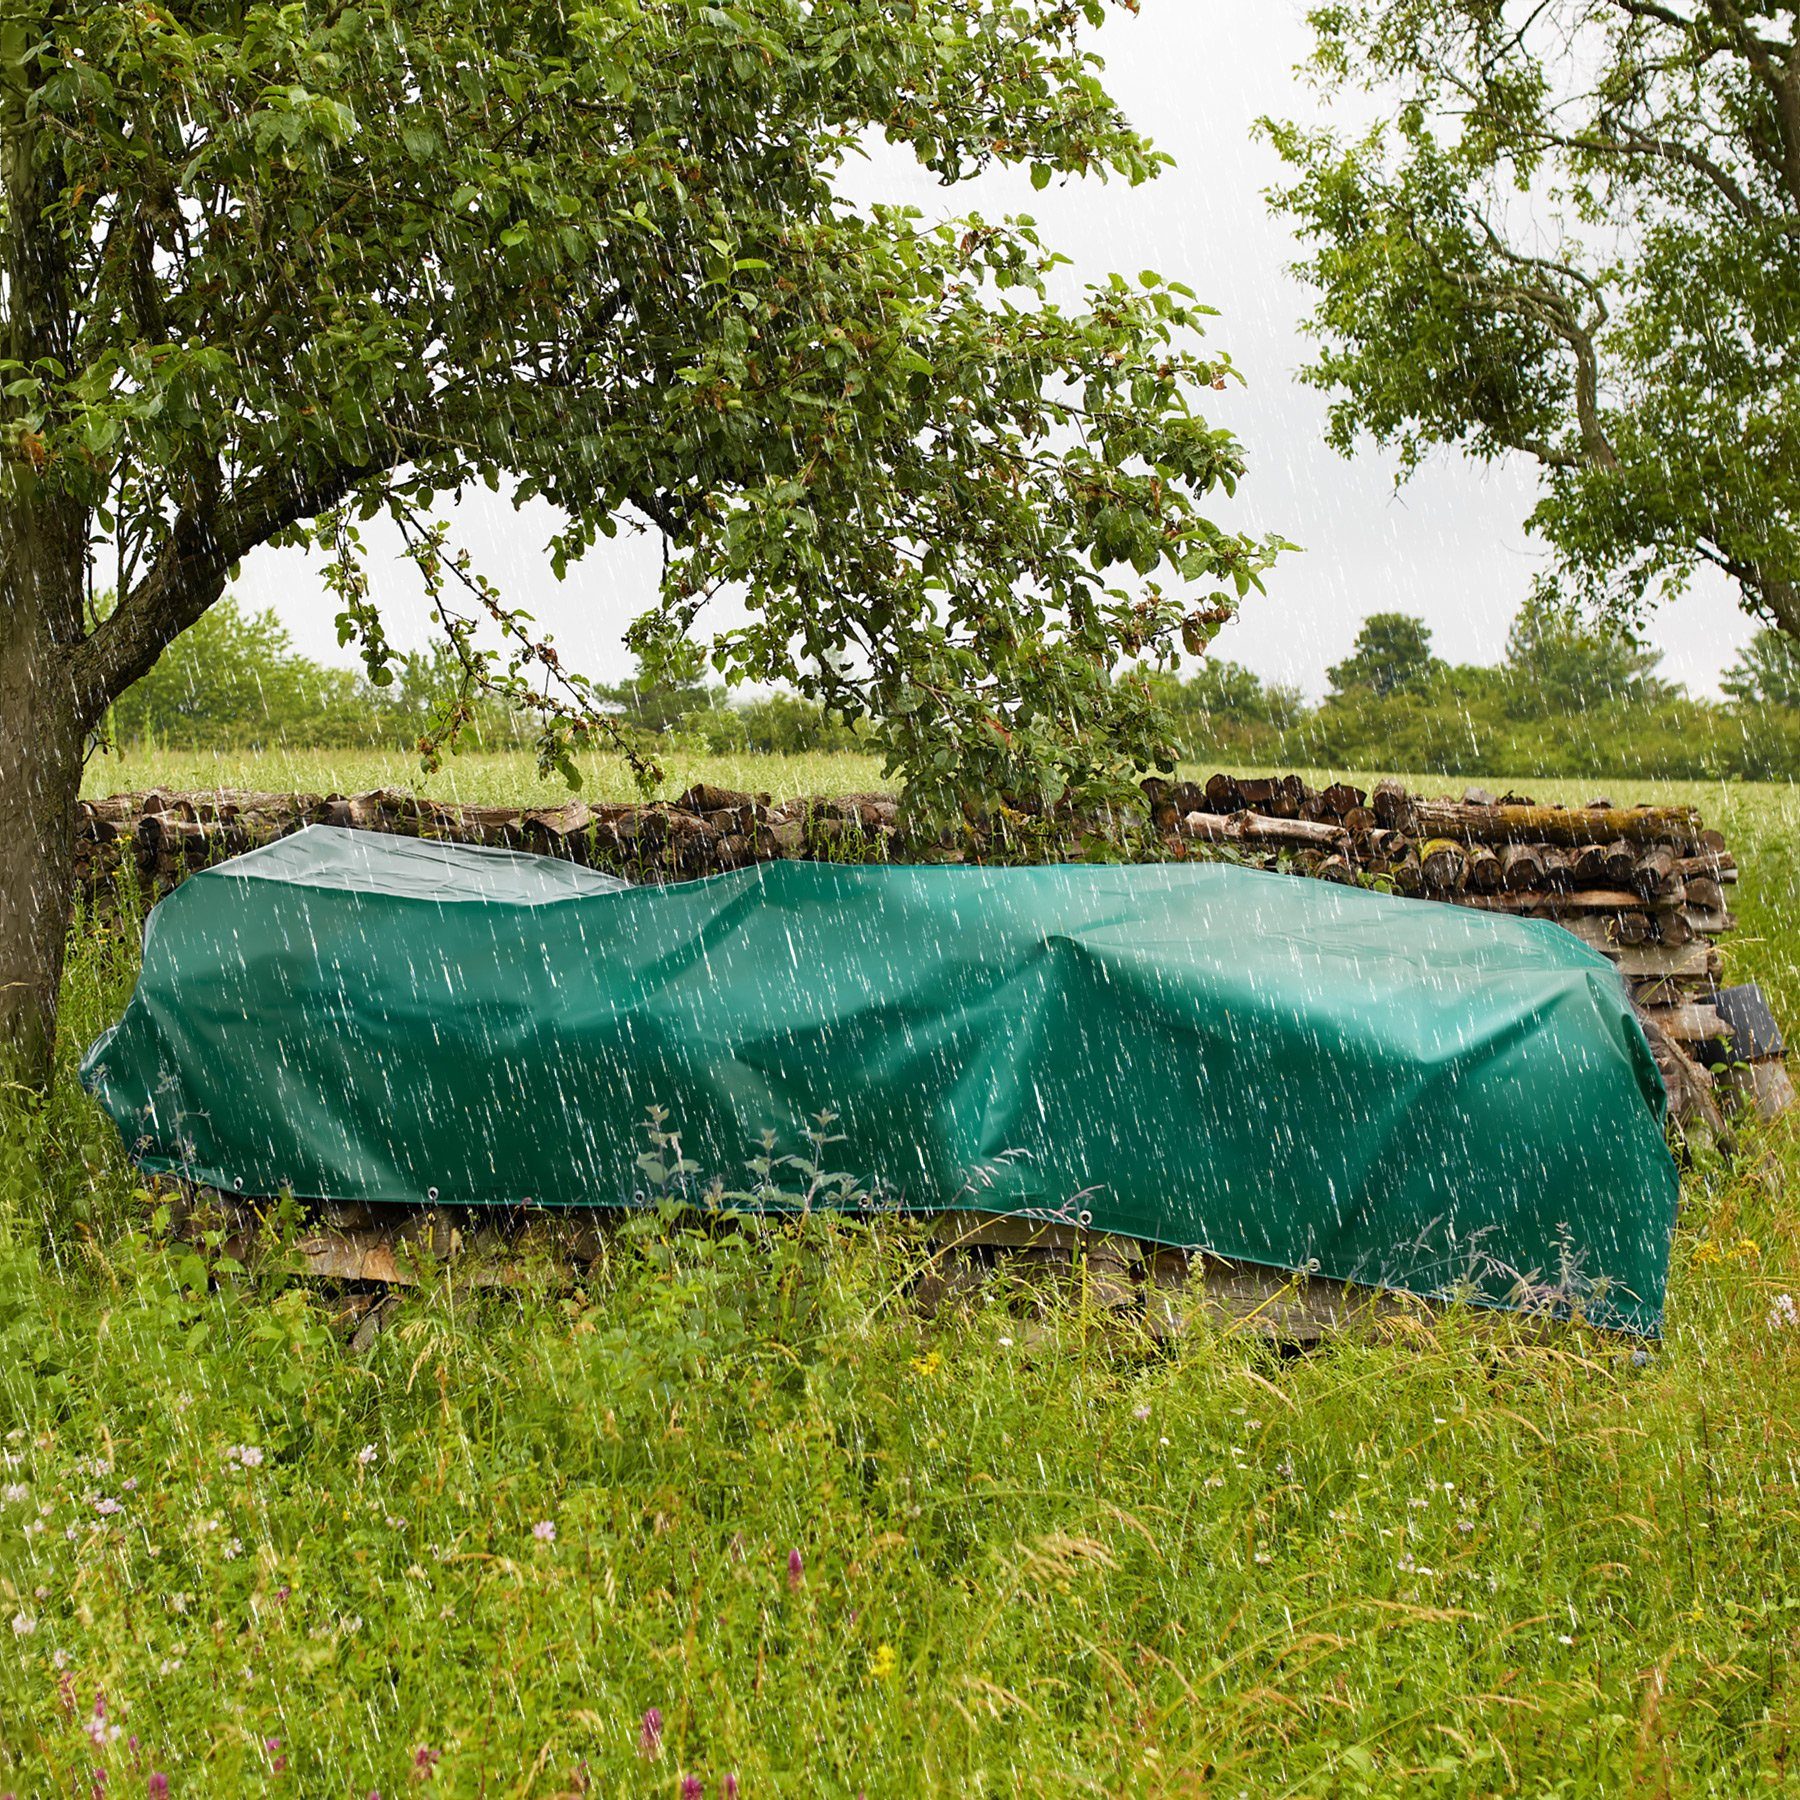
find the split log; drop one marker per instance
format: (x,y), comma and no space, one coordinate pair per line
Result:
(1655,871)
(1393,807)
(1698,960)
(1689,1022)
(1618,863)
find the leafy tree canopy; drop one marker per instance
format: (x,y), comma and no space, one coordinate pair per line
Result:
(272,270)
(1560,662)
(1766,672)
(1392,654)
(1577,238)
(281,268)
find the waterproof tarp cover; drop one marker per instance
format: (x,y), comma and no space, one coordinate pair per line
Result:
(1282,1071)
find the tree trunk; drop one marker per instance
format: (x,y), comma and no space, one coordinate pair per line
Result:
(41,741)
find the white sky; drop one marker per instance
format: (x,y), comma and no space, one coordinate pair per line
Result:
(1194,75)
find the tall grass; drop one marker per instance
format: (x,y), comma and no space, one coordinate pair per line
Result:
(733,1512)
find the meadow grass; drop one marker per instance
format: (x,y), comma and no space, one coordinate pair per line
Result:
(837,1550)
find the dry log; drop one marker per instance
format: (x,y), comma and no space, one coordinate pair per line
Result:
(1589,866)
(1522,867)
(1261,829)
(1556,902)
(1717,866)
(1443,864)
(1691,1098)
(1557,825)
(1393,807)
(1709,921)
(1690,1022)
(1341,799)
(1559,872)
(1675,928)
(1224,795)
(1698,960)
(1485,874)
(1763,1087)
(1655,871)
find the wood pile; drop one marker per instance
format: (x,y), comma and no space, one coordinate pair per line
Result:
(165,836)
(369,1255)
(1647,885)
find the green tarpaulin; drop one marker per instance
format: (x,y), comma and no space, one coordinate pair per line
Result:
(1282,1071)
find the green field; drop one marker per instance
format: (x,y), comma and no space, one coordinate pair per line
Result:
(1027,1564)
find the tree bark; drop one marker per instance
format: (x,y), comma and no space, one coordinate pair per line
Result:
(41,742)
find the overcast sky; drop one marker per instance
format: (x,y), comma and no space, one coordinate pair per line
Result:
(1194,75)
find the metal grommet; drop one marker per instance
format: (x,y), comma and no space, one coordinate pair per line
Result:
(238,1183)
(431,1193)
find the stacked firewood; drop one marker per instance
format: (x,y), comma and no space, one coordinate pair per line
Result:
(1647,885)
(163,837)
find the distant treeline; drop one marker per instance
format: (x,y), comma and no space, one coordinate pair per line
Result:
(1565,700)
(233,680)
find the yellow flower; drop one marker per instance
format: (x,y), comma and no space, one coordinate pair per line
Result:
(881,1664)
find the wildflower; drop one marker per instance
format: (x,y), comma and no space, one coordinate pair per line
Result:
(881,1664)
(106,1506)
(130,1484)
(424,1762)
(23,1625)
(1006,1343)
(246,1456)
(544,1531)
(1783,1314)
(234,1549)
(157,1787)
(277,1762)
(796,1569)
(731,1792)
(15,1492)
(650,1732)
(366,1455)
(692,1788)
(1140,1412)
